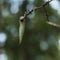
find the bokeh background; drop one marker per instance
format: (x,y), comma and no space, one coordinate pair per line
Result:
(40,42)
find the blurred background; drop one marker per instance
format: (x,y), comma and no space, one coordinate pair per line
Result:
(40,42)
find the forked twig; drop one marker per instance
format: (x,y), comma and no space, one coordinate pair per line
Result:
(36,8)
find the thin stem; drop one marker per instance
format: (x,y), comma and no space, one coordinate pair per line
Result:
(36,8)
(53,24)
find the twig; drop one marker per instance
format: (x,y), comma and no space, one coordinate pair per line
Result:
(36,8)
(53,24)
(46,14)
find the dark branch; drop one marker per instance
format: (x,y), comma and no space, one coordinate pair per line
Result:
(36,8)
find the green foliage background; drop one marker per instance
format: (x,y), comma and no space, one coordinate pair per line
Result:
(36,32)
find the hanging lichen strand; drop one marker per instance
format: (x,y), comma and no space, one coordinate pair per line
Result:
(21,28)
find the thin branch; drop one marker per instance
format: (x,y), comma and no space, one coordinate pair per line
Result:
(36,8)
(46,14)
(53,24)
